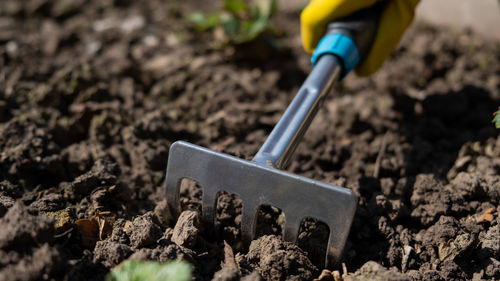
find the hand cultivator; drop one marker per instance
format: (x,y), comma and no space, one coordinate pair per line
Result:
(260,181)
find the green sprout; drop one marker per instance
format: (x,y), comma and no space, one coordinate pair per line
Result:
(237,22)
(135,270)
(496,118)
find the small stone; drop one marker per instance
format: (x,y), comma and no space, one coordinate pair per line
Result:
(12,48)
(93,47)
(150,40)
(104,25)
(407,253)
(132,23)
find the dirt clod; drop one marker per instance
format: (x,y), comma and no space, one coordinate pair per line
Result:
(45,261)
(5,203)
(227,274)
(374,271)
(102,173)
(254,276)
(162,213)
(327,275)
(143,231)
(276,259)
(49,202)
(186,229)
(164,254)
(491,242)
(21,230)
(459,248)
(111,253)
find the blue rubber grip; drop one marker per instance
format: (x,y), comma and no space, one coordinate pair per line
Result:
(340,45)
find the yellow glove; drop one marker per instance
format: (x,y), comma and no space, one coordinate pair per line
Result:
(396,16)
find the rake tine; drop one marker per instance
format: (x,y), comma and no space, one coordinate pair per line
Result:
(208,201)
(333,253)
(172,188)
(291,230)
(248,222)
(335,206)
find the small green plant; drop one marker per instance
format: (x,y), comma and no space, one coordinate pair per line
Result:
(237,22)
(496,118)
(135,270)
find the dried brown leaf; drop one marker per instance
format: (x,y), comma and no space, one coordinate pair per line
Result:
(336,276)
(96,228)
(326,275)
(89,230)
(486,216)
(127,225)
(105,221)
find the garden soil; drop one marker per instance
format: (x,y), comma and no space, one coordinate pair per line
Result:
(93,93)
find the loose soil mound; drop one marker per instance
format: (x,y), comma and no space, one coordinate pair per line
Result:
(93,94)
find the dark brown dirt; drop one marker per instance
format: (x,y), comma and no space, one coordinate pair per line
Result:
(93,93)
(276,259)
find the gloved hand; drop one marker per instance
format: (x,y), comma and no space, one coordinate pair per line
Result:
(396,16)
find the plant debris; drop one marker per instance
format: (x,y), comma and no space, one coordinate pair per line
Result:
(98,227)
(486,216)
(238,21)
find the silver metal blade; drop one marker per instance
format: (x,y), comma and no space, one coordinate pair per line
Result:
(298,197)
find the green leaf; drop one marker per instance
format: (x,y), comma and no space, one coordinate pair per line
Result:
(212,21)
(252,29)
(266,8)
(235,6)
(197,18)
(203,22)
(230,24)
(135,270)
(239,21)
(496,118)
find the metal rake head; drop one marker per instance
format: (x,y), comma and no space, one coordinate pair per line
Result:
(296,196)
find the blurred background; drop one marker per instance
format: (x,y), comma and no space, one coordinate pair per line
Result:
(479,16)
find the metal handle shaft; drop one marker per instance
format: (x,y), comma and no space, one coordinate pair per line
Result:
(286,135)
(345,42)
